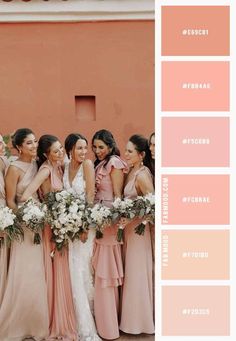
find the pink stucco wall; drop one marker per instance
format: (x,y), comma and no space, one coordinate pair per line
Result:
(44,66)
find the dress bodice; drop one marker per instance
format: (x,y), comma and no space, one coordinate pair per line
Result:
(130,189)
(55,176)
(78,184)
(30,170)
(104,188)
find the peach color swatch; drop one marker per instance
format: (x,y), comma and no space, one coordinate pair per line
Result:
(195,199)
(195,30)
(195,86)
(195,254)
(196,310)
(193,142)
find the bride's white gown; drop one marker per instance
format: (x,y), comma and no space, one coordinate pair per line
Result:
(80,255)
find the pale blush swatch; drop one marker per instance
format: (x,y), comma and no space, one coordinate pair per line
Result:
(196,310)
(195,141)
(195,254)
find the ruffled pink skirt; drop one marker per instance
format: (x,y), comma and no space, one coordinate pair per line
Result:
(107,262)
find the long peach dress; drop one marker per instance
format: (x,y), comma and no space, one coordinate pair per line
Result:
(137,295)
(4,250)
(107,259)
(24,312)
(60,299)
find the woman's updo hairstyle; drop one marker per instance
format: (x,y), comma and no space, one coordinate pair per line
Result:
(142,146)
(44,145)
(19,136)
(152,163)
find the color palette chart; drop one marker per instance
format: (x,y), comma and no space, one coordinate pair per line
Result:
(196,165)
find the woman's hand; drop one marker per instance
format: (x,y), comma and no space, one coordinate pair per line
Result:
(124,221)
(84,236)
(148,219)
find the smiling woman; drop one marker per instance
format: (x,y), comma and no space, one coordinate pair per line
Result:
(61,312)
(137,249)
(79,177)
(23,313)
(107,258)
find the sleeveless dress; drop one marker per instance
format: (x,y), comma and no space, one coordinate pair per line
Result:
(80,255)
(24,310)
(4,249)
(60,300)
(137,294)
(107,259)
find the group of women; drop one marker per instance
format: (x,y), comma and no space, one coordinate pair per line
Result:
(95,287)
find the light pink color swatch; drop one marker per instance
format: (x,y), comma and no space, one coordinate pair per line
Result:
(195,310)
(195,254)
(195,199)
(195,141)
(195,86)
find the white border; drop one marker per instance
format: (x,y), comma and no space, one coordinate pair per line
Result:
(196,170)
(76,10)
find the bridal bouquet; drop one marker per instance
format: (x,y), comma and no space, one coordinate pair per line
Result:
(145,208)
(32,214)
(8,225)
(122,209)
(99,217)
(66,217)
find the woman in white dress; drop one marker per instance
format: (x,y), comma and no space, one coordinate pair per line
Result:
(79,176)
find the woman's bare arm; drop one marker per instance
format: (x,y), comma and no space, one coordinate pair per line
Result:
(117,178)
(40,177)
(11,180)
(144,184)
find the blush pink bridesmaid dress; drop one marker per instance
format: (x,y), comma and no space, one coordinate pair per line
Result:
(137,293)
(23,312)
(107,259)
(60,299)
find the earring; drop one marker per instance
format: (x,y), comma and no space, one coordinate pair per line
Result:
(20,151)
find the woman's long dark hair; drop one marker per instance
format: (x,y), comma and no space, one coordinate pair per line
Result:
(152,160)
(71,141)
(45,142)
(142,146)
(107,137)
(19,136)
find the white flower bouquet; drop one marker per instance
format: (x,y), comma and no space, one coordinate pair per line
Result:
(32,215)
(66,217)
(8,225)
(99,217)
(122,209)
(145,208)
